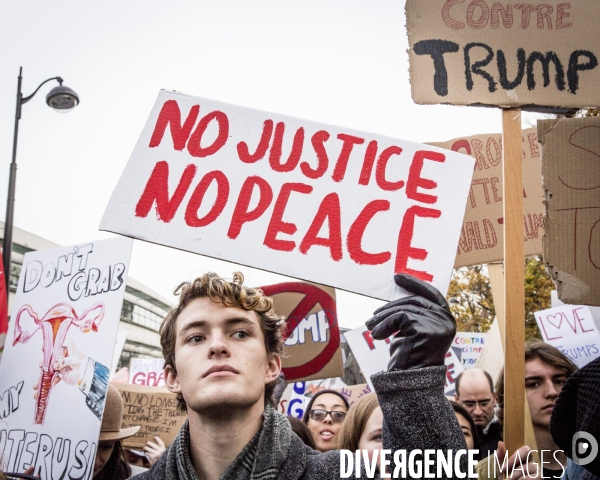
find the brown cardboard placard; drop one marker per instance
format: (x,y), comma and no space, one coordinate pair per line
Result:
(312,348)
(154,409)
(503,53)
(481,239)
(571,179)
(353,393)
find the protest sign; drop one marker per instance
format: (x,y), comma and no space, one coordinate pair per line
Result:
(373,356)
(119,344)
(481,236)
(471,345)
(312,346)
(55,368)
(509,54)
(147,371)
(572,330)
(297,395)
(571,172)
(154,409)
(555,302)
(491,358)
(317,202)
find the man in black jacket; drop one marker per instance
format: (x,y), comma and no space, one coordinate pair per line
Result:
(221,346)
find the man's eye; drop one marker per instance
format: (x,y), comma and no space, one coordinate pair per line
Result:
(484,404)
(469,404)
(195,339)
(531,384)
(240,334)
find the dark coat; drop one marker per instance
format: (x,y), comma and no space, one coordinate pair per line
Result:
(416,416)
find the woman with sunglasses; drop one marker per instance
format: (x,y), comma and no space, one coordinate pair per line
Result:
(324,416)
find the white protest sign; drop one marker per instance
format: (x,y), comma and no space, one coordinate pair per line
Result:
(471,345)
(556,302)
(373,356)
(571,329)
(147,371)
(119,344)
(59,347)
(318,202)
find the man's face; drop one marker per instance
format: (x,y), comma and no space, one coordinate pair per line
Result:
(478,399)
(543,383)
(220,357)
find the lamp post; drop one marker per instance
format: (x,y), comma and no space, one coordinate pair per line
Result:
(60,98)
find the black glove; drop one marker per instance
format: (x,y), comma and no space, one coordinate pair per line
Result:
(423,322)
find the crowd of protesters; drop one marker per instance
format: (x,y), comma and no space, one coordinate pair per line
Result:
(222,347)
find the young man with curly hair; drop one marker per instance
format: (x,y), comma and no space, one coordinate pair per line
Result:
(222,346)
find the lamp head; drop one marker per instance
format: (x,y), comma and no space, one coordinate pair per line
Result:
(61,98)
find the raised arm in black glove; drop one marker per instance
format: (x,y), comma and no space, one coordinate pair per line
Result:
(423,322)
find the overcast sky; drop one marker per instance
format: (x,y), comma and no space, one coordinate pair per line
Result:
(342,62)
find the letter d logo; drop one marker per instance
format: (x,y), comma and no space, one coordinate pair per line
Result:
(584,447)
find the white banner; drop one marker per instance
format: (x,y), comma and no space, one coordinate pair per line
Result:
(55,367)
(470,345)
(572,330)
(147,371)
(373,356)
(318,202)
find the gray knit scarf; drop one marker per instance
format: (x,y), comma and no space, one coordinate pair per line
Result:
(260,459)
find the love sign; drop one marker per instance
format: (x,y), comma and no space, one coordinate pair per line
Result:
(317,202)
(565,321)
(572,330)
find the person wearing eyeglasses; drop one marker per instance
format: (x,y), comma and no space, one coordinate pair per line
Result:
(475,392)
(324,416)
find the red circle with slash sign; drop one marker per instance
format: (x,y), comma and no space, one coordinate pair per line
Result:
(312,296)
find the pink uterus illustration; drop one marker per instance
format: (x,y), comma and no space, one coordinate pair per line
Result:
(54,326)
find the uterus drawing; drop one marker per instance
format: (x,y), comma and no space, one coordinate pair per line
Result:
(54,326)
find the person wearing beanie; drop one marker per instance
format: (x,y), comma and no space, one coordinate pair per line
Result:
(324,416)
(577,411)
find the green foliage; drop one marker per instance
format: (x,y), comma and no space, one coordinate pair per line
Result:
(471,302)
(537,294)
(470,299)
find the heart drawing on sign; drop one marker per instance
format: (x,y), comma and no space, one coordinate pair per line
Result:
(585,139)
(551,319)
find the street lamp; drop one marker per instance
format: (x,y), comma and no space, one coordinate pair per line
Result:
(61,99)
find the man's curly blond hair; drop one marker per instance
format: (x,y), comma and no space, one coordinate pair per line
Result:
(230,294)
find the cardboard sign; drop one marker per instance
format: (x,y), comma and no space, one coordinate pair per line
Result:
(572,330)
(311,201)
(555,302)
(471,345)
(155,409)
(55,367)
(373,356)
(504,53)
(491,358)
(149,372)
(571,172)
(481,236)
(312,346)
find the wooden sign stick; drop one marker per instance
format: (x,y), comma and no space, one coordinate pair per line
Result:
(514,281)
